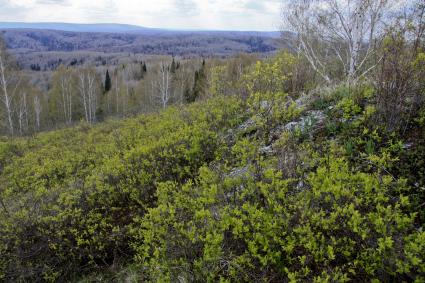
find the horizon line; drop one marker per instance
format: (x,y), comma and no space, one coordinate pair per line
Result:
(140,26)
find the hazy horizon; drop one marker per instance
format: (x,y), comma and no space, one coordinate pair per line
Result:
(220,15)
(130,26)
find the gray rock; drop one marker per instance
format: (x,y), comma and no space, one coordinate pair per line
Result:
(312,118)
(300,185)
(267,150)
(247,125)
(264,104)
(238,172)
(317,114)
(302,101)
(291,126)
(408,145)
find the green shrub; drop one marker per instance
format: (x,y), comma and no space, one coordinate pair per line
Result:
(70,198)
(248,228)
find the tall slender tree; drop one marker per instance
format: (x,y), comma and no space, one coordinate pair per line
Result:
(173,66)
(87,87)
(37,111)
(108,82)
(9,83)
(62,95)
(200,83)
(162,86)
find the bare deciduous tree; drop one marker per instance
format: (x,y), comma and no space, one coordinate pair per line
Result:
(37,111)
(344,29)
(163,85)
(65,83)
(399,79)
(23,113)
(117,89)
(88,94)
(9,83)
(63,93)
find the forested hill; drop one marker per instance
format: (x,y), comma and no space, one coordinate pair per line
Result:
(161,43)
(122,28)
(270,185)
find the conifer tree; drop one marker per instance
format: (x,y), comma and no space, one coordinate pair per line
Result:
(189,95)
(142,70)
(173,67)
(199,83)
(108,82)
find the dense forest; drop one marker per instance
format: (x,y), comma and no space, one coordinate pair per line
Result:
(53,89)
(306,166)
(26,41)
(94,90)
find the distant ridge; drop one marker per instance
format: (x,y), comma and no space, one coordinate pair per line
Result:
(119,28)
(112,28)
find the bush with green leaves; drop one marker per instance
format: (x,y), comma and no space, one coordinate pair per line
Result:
(221,191)
(69,198)
(340,225)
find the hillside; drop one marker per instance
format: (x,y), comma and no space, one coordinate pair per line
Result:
(308,186)
(161,43)
(122,28)
(49,48)
(131,157)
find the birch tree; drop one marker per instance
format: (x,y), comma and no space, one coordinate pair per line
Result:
(9,83)
(347,30)
(117,89)
(23,113)
(127,75)
(162,86)
(87,86)
(63,93)
(37,111)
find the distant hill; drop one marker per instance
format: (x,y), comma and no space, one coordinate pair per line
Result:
(188,43)
(46,45)
(121,28)
(111,28)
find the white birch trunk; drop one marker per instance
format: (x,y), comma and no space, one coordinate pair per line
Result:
(37,111)
(7,100)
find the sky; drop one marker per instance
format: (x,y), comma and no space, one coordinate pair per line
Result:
(258,15)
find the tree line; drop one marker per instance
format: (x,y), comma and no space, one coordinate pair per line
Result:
(92,94)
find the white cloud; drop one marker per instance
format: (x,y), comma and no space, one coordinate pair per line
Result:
(187,14)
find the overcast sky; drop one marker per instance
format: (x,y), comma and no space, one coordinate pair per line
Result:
(187,14)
